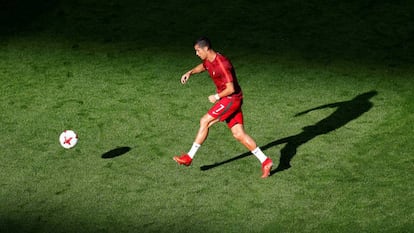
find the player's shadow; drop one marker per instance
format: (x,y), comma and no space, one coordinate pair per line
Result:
(116,152)
(345,112)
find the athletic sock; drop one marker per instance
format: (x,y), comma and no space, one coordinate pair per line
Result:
(193,150)
(259,154)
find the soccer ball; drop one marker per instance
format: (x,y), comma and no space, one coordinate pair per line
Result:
(68,139)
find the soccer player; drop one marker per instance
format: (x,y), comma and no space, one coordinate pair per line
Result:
(227,102)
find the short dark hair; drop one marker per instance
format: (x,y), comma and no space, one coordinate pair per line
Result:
(203,42)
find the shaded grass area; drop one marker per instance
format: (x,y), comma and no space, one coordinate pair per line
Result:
(344,126)
(363,31)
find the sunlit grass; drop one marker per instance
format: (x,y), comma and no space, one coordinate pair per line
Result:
(350,173)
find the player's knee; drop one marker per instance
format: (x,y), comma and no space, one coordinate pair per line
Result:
(204,121)
(238,135)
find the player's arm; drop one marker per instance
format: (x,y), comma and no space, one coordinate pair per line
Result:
(198,69)
(228,91)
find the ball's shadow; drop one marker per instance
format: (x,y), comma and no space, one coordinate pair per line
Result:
(116,152)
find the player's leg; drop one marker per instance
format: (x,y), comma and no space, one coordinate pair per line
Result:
(205,123)
(237,129)
(214,115)
(245,139)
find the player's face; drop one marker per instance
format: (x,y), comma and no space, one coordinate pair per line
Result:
(201,52)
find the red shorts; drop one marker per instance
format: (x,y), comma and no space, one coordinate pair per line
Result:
(228,109)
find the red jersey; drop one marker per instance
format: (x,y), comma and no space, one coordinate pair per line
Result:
(221,72)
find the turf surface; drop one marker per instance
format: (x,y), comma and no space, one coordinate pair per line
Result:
(328,95)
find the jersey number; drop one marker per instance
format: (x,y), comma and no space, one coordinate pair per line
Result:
(217,111)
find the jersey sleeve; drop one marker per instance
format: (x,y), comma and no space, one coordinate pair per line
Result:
(225,69)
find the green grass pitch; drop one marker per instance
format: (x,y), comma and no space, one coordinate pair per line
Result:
(328,88)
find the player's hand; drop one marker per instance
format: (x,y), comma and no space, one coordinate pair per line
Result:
(185,77)
(212,99)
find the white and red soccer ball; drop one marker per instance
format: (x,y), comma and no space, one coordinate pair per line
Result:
(68,139)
